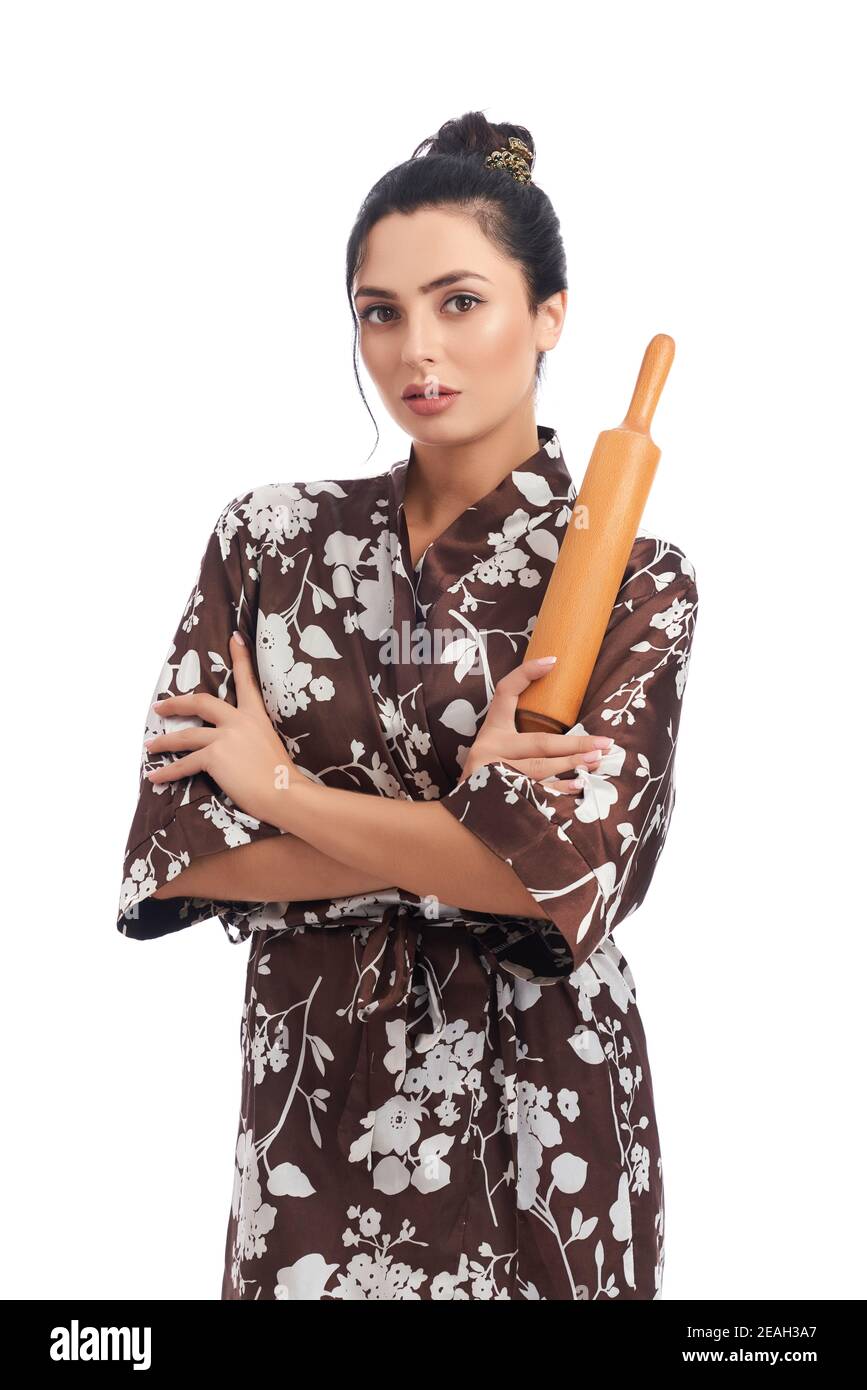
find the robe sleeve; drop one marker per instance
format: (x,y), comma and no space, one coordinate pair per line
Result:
(588,856)
(175,822)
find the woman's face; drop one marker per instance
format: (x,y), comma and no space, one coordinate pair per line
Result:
(475,334)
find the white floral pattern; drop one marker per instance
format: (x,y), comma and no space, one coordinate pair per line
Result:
(436,1103)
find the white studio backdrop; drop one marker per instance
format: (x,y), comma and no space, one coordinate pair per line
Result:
(179,182)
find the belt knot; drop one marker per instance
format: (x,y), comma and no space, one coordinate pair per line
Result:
(390,958)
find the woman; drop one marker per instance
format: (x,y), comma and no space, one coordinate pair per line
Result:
(446,1091)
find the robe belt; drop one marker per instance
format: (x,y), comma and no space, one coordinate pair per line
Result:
(392,957)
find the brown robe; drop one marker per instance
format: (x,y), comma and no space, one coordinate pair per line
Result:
(435,1103)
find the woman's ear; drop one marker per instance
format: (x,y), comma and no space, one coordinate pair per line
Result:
(551,316)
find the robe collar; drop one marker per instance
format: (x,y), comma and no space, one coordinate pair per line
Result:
(541,484)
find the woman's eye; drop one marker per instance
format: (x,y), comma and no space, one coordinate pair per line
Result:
(376,309)
(468,298)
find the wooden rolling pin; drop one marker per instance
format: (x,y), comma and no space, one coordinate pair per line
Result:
(594,554)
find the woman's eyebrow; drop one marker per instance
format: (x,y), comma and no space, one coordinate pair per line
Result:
(438,283)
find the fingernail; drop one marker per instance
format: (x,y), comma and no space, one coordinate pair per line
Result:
(604,742)
(590,757)
(237,636)
(547,660)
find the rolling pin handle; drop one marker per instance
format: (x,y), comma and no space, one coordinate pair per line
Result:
(652,374)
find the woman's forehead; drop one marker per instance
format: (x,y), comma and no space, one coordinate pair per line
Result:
(408,253)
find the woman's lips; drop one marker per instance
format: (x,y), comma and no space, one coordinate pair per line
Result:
(431,405)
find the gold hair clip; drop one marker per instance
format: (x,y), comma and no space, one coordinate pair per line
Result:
(517,160)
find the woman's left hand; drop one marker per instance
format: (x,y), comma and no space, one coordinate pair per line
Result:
(242,751)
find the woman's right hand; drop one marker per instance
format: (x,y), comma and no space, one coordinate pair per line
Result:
(539,756)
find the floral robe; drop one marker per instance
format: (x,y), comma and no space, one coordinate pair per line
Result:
(436,1103)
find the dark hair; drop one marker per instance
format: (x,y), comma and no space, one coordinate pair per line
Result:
(449,168)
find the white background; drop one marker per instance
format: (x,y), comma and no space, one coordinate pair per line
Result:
(179,181)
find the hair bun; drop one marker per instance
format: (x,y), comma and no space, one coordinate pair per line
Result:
(503,147)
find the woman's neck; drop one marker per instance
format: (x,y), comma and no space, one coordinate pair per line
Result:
(444,479)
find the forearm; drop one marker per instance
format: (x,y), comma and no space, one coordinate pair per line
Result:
(416,845)
(282,868)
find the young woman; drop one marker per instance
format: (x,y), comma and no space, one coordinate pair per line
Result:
(446,1091)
